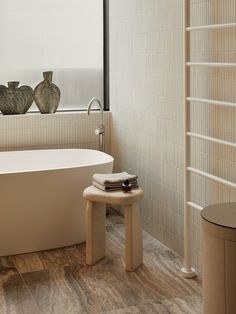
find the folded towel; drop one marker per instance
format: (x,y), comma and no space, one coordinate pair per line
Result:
(110,188)
(111,178)
(117,184)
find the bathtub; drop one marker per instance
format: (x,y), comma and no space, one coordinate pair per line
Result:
(41,203)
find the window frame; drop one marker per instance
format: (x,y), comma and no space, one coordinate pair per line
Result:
(106,78)
(106,71)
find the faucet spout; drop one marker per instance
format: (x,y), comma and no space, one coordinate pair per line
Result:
(93,100)
(101,129)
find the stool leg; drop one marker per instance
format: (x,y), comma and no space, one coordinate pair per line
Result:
(95,232)
(133,238)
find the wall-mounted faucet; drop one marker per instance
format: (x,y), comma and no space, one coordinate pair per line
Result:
(101,129)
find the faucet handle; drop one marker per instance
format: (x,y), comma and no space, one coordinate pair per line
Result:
(97,131)
(100,130)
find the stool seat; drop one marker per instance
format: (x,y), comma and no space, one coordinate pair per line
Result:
(93,194)
(96,227)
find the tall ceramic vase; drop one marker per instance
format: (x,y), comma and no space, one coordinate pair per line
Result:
(14,100)
(47,95)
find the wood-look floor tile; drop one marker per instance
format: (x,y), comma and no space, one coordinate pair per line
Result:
(55,292)
(74,290)
(102,288)
(58,281)
(159,260)
(116,235)
(62,257)
(113,217)
(186,305)
(160,263)
(28,262)
(146,308)
(88,289)
(7,267)
(15,297)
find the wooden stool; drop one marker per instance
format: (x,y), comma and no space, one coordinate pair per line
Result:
(95,224)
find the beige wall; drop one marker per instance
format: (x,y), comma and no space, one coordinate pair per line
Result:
(60,130)
(147,108)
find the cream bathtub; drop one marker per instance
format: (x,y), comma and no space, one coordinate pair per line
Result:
(41,204)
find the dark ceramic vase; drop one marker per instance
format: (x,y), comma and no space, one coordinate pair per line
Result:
(14,100)
(47,95)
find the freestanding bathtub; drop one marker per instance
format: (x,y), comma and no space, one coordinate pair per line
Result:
(41,203)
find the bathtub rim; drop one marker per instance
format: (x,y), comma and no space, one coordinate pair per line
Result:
(109,159)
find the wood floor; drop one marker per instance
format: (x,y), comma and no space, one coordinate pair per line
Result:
(58,281)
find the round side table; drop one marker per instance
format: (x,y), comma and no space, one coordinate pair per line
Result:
(219,258)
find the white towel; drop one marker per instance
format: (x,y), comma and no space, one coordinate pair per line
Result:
(111,178)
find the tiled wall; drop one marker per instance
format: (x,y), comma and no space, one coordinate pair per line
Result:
(60,130)
(146,55)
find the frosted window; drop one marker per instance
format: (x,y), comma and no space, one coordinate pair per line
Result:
(65,36)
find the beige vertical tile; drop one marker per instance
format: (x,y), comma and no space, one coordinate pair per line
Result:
(147,107)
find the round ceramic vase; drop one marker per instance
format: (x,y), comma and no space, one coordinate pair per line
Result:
(14,100)
(47,95)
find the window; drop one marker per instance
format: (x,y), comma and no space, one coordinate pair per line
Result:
(63,36)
